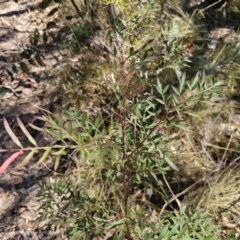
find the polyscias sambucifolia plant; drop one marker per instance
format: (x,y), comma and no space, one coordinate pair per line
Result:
(124,150)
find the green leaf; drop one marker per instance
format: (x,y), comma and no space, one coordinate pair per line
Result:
(44,4)
(3,91)
(151,148)
(45,155)
(148,59)
(24,68)
(175,98)
(70,128)
(165,89)
(163,234)
(181,126)
(100,219)
(219,83)
(114,51)
(39,60)
(115,64)
(169,98)
(138,178)
(159,87)
(71,220)
(11,134)
(131,51)
(83,154)
(79,138)
(182,81)
(35,39)
(60,122)
(132,64)
(170,163)
(90,130)
(52,132)
(35,127)
(156,178)
(27,159)
(192,114)
(97,122)
(176,90)
(25,131)
(174,230)
(160,101)
(104,151)
(26,54)
(54,10)
(57,161)
(84,118)
(117,223)
(45,37)
(59,152)
(76,111)
(194,83)
(183,230)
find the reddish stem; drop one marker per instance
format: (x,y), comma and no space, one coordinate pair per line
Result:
(9,161)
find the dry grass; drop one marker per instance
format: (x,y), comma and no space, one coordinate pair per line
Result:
(222,192)
(208,158)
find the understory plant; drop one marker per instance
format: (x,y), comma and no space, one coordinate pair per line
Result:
(119,156)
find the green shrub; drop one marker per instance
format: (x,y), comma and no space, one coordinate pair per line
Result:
(122,148)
